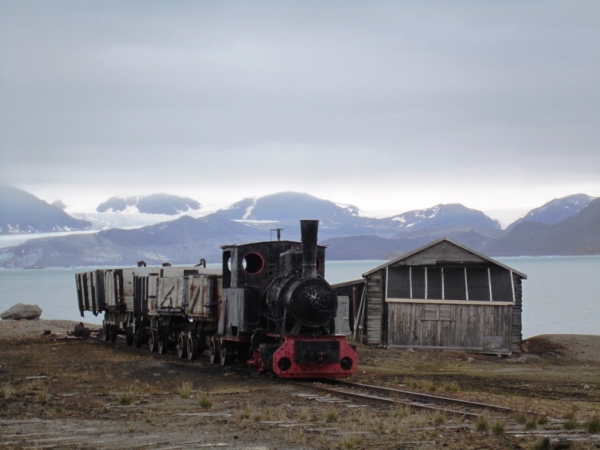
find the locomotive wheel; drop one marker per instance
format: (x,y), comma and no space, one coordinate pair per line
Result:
(105,328)
(192,347)
(225,353)
(152,341)
(162,346)
(214,356)
(129,336)
(181,346)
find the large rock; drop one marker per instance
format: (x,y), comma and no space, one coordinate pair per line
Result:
(21,311)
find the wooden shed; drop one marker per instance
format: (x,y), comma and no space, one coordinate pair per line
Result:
(444,296)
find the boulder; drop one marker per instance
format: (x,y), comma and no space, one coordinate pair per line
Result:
(21,311)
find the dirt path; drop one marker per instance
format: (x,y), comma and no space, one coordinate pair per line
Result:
(65,393)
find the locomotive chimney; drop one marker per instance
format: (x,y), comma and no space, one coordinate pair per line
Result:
(309,230)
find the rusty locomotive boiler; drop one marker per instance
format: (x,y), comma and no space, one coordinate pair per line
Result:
(269,306)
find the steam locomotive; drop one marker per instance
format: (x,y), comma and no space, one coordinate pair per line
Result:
(269,306)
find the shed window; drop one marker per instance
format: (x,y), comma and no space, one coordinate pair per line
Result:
(399,282)
(434,283)
(502,290)
(454,283)
(450,283)
(478,283)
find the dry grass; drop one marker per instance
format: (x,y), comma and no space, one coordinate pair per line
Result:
(483,423)
(351,441)
(498,428)
(266,413)
(296,437)
(126,397)
(331,414)
(438,418)
(185,391)
(7,391)
(593,426)
(205,400)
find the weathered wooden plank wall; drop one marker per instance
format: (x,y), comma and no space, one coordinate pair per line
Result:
(517,313)
(374,310)
(474,327)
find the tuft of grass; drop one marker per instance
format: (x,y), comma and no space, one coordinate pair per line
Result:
(264,414)
(43,395)
(482,423)
(439,418)
(593,426)
(402,411)
(541,444)
(126,397)
(304,415)
(296,437)
(185,391)
(351,441)
(452,387)
(531,424)
(543,420)
(570,420)
(205,400)
(498,428)
(520,418)
(8,391)
(331,414)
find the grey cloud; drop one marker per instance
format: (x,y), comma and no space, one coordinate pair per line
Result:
(360,89)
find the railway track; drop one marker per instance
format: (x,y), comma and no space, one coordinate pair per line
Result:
(415,400)
(384,395)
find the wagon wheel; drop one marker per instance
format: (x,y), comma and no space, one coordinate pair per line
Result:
(113,332)
(137,339)
(152,341)
(181,346)
(192,347)
(162,345)
(225,353)
(214,356)
(129,335)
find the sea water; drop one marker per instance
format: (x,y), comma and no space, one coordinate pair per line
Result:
(560,295)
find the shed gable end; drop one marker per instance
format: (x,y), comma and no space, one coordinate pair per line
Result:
(443,252)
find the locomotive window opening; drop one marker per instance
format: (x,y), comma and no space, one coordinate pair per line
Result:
(318,264)
(253,263)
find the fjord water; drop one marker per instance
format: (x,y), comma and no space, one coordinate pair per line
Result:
(561,294)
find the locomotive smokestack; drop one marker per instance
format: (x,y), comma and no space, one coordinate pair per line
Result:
(309,230)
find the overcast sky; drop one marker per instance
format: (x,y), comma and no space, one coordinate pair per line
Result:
(389,106)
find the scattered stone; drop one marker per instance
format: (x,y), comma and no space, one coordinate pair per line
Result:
(21,311)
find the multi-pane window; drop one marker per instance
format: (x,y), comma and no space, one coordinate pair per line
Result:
(450,283)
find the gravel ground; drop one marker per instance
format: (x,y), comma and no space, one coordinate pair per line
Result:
(68,393)
(28,329)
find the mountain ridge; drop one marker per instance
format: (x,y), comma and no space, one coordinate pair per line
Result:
(342,228)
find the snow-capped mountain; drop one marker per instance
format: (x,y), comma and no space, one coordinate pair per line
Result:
(21,212)
(443,216)
(150,204)
(556,210)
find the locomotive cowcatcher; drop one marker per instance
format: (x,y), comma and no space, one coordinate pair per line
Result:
(269,306)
